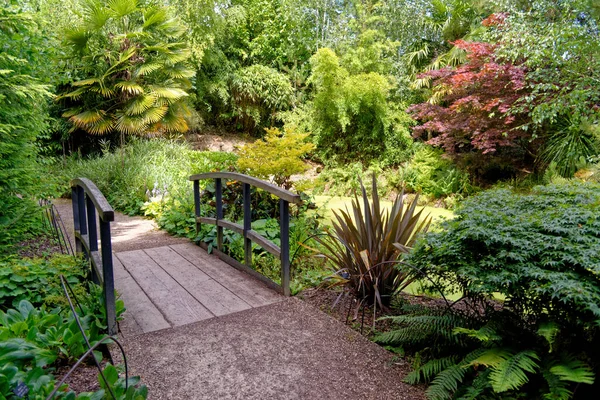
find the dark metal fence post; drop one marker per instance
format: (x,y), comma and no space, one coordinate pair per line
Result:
(82,214)
(108,277)
(219,199)
(284,211)
(247,225)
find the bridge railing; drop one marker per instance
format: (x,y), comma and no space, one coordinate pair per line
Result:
(282,252)
(87,201)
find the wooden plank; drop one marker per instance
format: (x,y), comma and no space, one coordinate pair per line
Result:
(174,302)
(146,316)
(244,286)
(211,294)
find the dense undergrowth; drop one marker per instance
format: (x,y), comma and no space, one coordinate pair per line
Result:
(538,251)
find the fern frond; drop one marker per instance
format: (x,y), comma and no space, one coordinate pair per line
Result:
(430,369)
(446,383)
(484,334)
(571,369)
(548,331)
(510,373)
(557,389)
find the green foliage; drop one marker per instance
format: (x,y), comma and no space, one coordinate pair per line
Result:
(37,280)
(350,111)
(276,157)
(23,117)
(364,247)
(537,251)
(141,87)
(428,172)
(558,43)
(128,176)
(258,92)
(500,358)
(33,341)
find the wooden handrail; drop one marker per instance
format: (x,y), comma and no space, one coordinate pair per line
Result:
(87,200)
(285,198)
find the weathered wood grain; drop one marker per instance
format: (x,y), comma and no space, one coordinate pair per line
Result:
(146,317)
(244,286)
(175,303)
(211,294)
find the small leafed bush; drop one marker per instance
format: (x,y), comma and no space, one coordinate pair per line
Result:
(365,244)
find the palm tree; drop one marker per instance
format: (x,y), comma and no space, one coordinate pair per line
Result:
(131,71)
(444,22)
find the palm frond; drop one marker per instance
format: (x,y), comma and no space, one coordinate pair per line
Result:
(139,104)
(129,87)
(122,8)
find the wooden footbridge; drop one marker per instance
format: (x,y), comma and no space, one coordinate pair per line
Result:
(179,284)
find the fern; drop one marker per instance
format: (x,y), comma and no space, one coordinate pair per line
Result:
(510,374)
(573,370)
(417,328)
(446,383)
(430,369)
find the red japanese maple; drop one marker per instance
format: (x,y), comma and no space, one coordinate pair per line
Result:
(473,115)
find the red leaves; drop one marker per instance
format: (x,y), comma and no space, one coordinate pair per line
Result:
(473,115)
(496,19)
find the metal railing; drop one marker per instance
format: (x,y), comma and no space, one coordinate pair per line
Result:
(87,200)
(285,198)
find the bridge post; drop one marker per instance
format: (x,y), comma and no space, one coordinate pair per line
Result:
(247,225)
(197,204)
(92,233)
(284,211)
(219,200)
(108,279)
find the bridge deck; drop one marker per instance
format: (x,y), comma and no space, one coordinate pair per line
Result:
(180,284)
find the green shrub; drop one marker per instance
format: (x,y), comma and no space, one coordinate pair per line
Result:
(34,341)
(429,173)
(539,252)
(278,156)
(258,92)
(366,243)
(23,117)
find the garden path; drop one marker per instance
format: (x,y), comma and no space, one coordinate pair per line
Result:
(248,342)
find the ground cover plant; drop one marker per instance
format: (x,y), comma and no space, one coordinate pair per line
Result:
(538,251)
